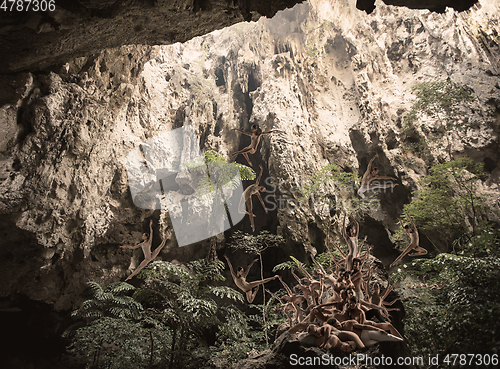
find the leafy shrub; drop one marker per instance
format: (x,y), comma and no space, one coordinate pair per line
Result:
(454,305)
(448,203)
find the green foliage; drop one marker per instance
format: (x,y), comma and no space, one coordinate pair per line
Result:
(312,52)
(255,244)
(295,265)
(296,261)
(325,259)
(220,173)
(443,100)
(240,334)
(484,242)
(192,305)
(400,239)
(109,302)
(269,326)
(207,270)
(235,338)
(456,307)
(414,141)
(188,300)
(119,344)
(448,202)
(285,265)
(446,103)
(452,301)
(327,182)
(179,306)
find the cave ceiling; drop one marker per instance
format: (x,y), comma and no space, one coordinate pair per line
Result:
(34,41)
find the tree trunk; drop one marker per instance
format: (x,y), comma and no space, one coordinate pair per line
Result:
(172,350)
(151,355)
(264,300)
(212,249)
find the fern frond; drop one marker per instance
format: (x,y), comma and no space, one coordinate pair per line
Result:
(171,316)
(296,261)
(162,270)
(246,173)
(146,294)
(225,291)
(199,308)
(257,319)
(90,314)
(207,270)
(284,266)
(234,314)
(96,290)
(120,288)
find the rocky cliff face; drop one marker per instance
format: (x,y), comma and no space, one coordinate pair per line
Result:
(335,82)
(46,33)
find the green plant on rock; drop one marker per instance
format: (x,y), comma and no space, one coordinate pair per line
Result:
(415,142)
(329,190)
(446,104)
(329,184)
(217,175)
(220,173)
(453,305)
(448,202)
(256,245)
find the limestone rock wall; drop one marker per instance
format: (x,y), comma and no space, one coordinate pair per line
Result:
(334,81)
(49,32)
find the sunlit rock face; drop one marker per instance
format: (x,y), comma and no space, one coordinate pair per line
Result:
(38,36)
(33,38)
(335,81)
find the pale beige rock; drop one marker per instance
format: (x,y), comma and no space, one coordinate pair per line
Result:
(335,83)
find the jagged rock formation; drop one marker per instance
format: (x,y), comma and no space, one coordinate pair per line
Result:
(35,39)
(335,82)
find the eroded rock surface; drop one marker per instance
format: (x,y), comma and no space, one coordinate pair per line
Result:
(335,82)
(56,31)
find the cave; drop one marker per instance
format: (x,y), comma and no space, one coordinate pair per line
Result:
(86,84)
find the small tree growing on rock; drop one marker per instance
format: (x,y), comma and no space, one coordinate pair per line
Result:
(445,103)
(257,245)
(448,203)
